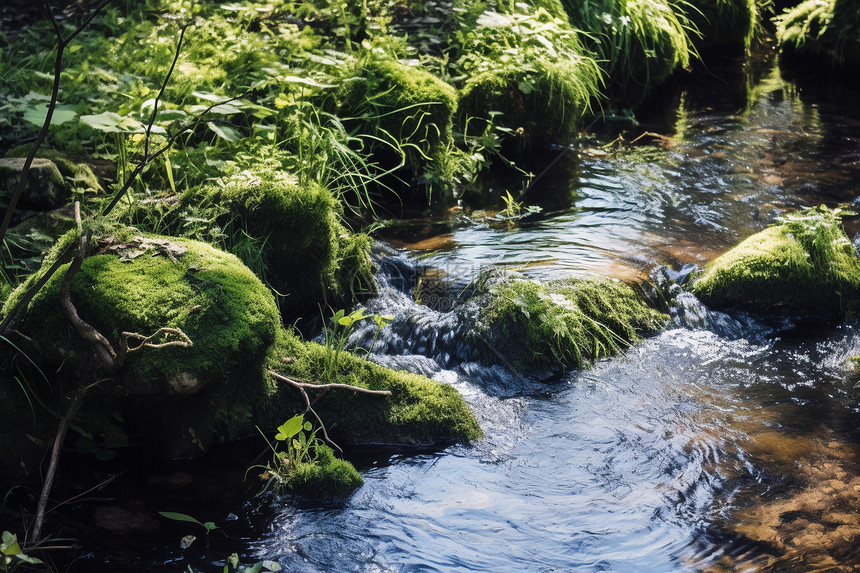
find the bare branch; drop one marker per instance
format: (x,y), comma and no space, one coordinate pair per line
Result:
(103,348)
(59,438)
(301,388)
(299,384)
(161,91)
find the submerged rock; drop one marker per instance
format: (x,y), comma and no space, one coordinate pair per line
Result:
(802,265)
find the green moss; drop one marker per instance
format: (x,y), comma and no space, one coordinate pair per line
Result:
(327,477)
(803,264)
(533,69)
(639,43)
(569,322)
(821,31)
(419,410)
(388,100)
(229,315)
(310,256)
(78,174)
(723,23)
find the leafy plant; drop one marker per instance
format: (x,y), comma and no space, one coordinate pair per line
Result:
(336,337)
(301,442)
(233,565)
(11,554)
(514,210)
(176,516)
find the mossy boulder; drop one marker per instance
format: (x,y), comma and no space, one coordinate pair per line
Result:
(723,24)
(567,322)
(308,254)
(531,71)
(639,43)
(821,32)
(419,411)
(802,265)
(395,102)
(45,188)
(143,283)
(77,174)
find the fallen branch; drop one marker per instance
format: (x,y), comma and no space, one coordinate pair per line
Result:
(59,438)
(300,384)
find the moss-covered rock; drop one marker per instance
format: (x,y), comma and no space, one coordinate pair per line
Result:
(140,284)
(639,43)
(77,174)
(327,477)
(723,24)
(308,254)
(418,412)
(804,264)
(531,68)
(821,32)
(568,322)
(146,283)
(45,188)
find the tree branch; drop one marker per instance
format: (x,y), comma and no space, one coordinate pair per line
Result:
(299,384)
(301,388)
(59,438)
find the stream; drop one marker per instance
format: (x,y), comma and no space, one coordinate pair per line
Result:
(725,443)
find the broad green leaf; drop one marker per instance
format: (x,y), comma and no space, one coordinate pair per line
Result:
(308,427)
(290,428)
(62,114)
(179,517)
(111,122)
(210,525)
(224,131)
(10,544)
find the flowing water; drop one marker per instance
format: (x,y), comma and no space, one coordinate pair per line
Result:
(728,442)
(724,443)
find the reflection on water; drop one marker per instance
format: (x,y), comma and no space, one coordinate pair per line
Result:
(724,444)
(711,178)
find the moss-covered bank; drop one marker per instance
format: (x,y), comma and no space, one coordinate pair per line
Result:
(218,389)
(530,67)
(821,33)
(419,411)
(568,322)
(804,264)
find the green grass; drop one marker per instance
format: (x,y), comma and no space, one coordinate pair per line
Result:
(531,68)
(822,31)
(639,43)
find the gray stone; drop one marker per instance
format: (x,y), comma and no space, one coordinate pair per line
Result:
(46,189)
